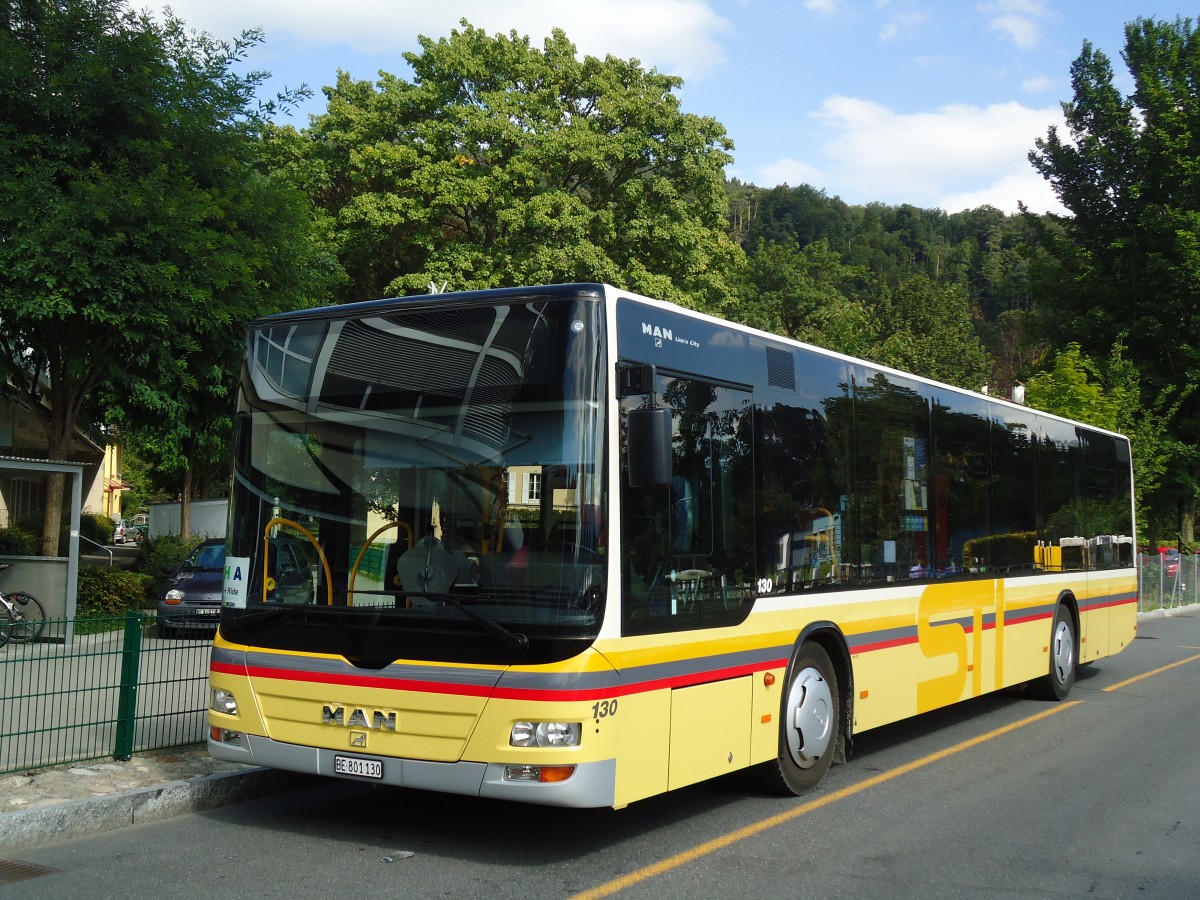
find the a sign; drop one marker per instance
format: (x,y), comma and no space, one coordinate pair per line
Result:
(237,582)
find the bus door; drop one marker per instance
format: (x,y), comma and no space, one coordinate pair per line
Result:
(688,559)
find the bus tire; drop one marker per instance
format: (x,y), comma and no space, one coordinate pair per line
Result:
(1056,683)
(809,725)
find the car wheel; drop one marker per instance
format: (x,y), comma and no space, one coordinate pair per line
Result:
(162,629)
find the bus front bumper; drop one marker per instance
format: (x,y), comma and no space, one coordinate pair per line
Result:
(593,784)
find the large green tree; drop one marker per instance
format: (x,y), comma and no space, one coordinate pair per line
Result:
(1127,172)
(140,227)
(809,294)
(500,163)
(929,329)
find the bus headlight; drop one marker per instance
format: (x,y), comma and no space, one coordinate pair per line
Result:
(223,701)
(545,734)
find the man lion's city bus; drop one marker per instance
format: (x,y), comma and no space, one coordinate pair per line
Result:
(571,546)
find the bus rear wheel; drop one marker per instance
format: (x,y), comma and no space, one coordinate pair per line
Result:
(809,726)
(1056,684)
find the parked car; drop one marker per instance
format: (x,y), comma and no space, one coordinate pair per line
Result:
(1170,561)
(140,525)
(128,532)
(191,598)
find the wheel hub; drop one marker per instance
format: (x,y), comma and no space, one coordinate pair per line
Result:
(810,718)
(1064,652)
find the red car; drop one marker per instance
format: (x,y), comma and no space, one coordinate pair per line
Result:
(1170,560)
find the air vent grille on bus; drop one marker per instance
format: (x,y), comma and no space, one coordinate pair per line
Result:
(781,368)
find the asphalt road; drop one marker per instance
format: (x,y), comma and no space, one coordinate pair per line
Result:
(1003,797)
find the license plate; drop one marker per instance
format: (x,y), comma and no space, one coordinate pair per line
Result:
(360,768)
(209,612)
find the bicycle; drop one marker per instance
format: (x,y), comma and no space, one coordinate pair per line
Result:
(22,616)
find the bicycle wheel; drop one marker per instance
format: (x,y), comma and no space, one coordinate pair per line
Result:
(29,617)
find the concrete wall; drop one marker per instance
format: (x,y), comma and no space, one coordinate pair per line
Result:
(43,576)
(208,518)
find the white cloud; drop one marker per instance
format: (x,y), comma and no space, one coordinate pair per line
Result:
(901,25)
(824,7)
(933,158)
(1018,20)
(1029,188)
(676,36)
(1021,31)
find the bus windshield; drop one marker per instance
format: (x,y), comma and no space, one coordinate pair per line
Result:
(423,480)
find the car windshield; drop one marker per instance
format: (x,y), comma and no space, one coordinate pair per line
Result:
(434,471)
(207,558)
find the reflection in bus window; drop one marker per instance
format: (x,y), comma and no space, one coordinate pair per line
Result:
(688,540)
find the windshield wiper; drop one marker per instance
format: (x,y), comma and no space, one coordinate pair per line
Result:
(517,642)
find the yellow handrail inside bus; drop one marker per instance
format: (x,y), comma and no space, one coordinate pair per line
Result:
(367,543)
(312,540)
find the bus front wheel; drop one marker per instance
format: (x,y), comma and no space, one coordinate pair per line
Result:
(809,727)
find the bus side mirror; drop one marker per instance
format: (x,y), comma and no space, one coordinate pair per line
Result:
(649,447)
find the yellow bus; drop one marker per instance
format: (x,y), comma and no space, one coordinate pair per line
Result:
(572,546)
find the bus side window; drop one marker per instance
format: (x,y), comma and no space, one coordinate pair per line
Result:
(684,565)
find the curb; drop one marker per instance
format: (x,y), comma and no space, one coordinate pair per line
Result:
(76,818)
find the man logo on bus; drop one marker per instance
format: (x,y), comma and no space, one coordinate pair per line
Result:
(659,334)
(380,718)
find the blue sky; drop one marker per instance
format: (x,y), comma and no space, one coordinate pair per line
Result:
(929,102)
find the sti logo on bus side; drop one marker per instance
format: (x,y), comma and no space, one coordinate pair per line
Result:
(380,718)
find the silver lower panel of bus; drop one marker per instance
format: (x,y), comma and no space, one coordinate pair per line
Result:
(592,785)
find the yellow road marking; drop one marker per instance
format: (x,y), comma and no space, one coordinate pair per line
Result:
(748,831)
(1135,678)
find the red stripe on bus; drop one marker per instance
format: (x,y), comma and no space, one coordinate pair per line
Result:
(502,693)
(883,645)
(394,684)
(1110,604)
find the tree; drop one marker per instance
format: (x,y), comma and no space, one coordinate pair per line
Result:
(1072,389)
(1127,173)
(806,293)
(501,164)
(802,213)
(140,229)
(928,329)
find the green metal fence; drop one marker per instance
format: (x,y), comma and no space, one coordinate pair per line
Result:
(109,693)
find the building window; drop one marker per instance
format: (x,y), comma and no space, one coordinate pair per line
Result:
(533,487)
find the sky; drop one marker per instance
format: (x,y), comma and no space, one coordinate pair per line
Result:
(935,103)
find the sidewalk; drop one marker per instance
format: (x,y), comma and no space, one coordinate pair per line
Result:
(52,804)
